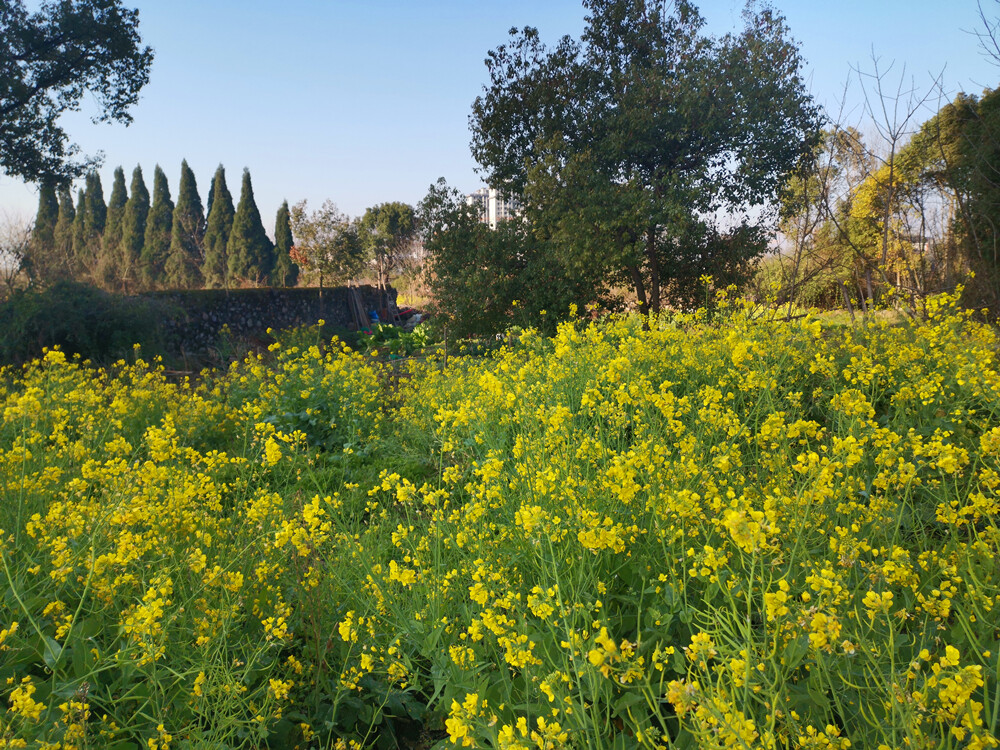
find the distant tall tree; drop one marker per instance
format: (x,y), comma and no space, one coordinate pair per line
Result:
(42,247)
(217,231)
(250,252)
(133,231)
(93,218)
(97,209)
(156,243)
(77,267)
(211,192)
(111,238)
(183,266)
(63,251)
(286,271)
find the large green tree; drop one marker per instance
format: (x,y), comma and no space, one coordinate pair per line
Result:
(133,232)
(183,267)
(51,58)
(622,144)
(250,254)
(156,242)
(111,239)
(286,270)
(220,225)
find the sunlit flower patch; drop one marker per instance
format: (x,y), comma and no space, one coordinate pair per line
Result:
(710,531)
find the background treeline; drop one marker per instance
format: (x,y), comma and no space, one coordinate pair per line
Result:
(653,162)
(133,242)
(889,217)
(879,215)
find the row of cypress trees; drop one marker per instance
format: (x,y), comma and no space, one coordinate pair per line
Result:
(133,244)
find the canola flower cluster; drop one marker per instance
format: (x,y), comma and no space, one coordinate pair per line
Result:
(694,531)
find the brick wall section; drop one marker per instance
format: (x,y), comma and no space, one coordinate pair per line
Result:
(198,316)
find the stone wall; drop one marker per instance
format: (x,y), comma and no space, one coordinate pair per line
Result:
(197,316)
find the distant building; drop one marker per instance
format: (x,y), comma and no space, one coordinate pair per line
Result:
(481,201)
(493,207)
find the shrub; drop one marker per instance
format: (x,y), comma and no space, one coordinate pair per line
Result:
(78,319)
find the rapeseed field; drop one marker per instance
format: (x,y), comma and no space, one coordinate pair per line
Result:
(707,531)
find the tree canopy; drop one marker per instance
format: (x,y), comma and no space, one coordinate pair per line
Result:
(286,271)
(135,244)
(249,252)
(111,238)
(220,214)
(388,232)
(623,145)
(133,231)
(899,219)
(62,260)
(41,248)
(183,266)
(951,162)
(92,220)
(51,58)
(159,226)
(326,242)
(486,280)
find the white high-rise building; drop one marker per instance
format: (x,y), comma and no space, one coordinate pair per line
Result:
(481,201)
(493,207)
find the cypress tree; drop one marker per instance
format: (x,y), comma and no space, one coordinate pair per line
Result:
(62,258)
(251,254)
(156,243)
(133,231)
(42,249)
(111,238)
(286,271)
(211,192)
(92,216)
(220,224)
(79,237)
(183,267)
(97,210)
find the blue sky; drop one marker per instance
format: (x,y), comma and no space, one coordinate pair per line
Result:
(365,101)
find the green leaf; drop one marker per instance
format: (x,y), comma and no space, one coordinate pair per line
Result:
(51,652)
(795,651)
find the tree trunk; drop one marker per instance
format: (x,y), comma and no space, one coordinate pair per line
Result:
(847,300)
(640,288)
(654,270)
